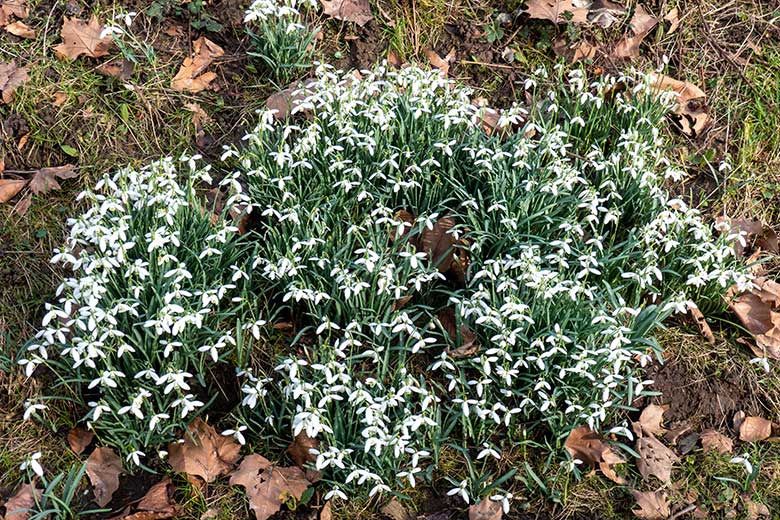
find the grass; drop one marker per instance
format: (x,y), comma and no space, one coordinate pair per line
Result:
(109,126)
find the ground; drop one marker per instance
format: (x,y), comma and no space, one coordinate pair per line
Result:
(71,113)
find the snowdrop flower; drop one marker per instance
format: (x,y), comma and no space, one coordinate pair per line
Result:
(31,462)
(31,409)
(744,461)
(505,501)
(135,456)
(127,18)
(188,404)
(460,490)
(236,434)
(488,450)
(762,361)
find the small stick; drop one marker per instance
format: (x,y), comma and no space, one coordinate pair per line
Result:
(495,65)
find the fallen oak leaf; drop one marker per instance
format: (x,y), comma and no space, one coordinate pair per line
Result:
(758,309)
(557,11)
(651,418)
(45,179)
(191,76)
(300,449)
(673,17)
(642,22)
(9,188)
(443,64)
(486,510)
(122,70)
(268,486)
(462,335)
(713,440)
(82,38)
(358,11)
(203,452)
(654,458)
(79,438)
(21,30)
(690,112)
(755,429)
(9,8)
(653,505)
(585,445)
(575,51)
(19,506)
(158,499)
(103,468)
(11,78)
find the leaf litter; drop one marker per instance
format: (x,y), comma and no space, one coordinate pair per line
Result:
(192,75)
(203,452)
(589,447)
(758,309)
(83,38)
(103,469)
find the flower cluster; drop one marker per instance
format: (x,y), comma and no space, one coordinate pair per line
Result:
(157,286)
(453,283)
(281,39)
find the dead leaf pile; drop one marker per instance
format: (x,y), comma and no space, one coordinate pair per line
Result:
(103,468)
(586,445)
(690,112)
(268,486)
(203,452)
(758,310)
(11,78)
(82,38)
(357,11)
(192,76)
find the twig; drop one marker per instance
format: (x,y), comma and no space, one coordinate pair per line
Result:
(495,65)
(684,511)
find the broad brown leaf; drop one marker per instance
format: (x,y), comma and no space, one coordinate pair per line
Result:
(713,440)
(438,243)
(759,312)
(755,429)
(575,51)
(486,510)
(691,111)
(159,499)
(299,450)
(191,76)
(358,11)
(651,418)
(394,510)
(11,78)
(268,486)
(326,513)
(9,8)
(9,188)
(755,510)
(204,452)
(642,21)
(443,64)
(462,336)
(655,458)
(653,505)
(673,17)
(79,438)
(82,38)
(45,179)
(103,468)
(557,11)
(20,29)
(122,69)
(17,507)
(586,445)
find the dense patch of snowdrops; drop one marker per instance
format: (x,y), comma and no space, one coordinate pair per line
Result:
(565,253)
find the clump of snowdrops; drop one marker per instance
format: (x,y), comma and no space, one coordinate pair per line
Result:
(157,286)
(280,36)
(463,288)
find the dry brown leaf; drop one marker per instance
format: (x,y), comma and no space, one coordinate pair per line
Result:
(9,188)
(461,336)
(299,450)
(759,312)
(326,513)
(122,70)
(655,458)
(443,64)
(191,76)
(79,438)
(673,17)
(586,445)
(17,507)
(11,78)
(576,51)
(691,111)
(103,468)
(9,8)
(60,98)
(267,486)
(557,11)
(755,510)
(755,429)
(82,38)
(45,179)
(701,322)
(642,22)
(20,29)
(486,510)
(199,116)
(147,515)
(23,205)
(439,243)
(628,47)
(204,452)
(757,235)
(358,11)
(159,499)
(651,418)
(713,440)
(653,505)
(396,511)
(23,141)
